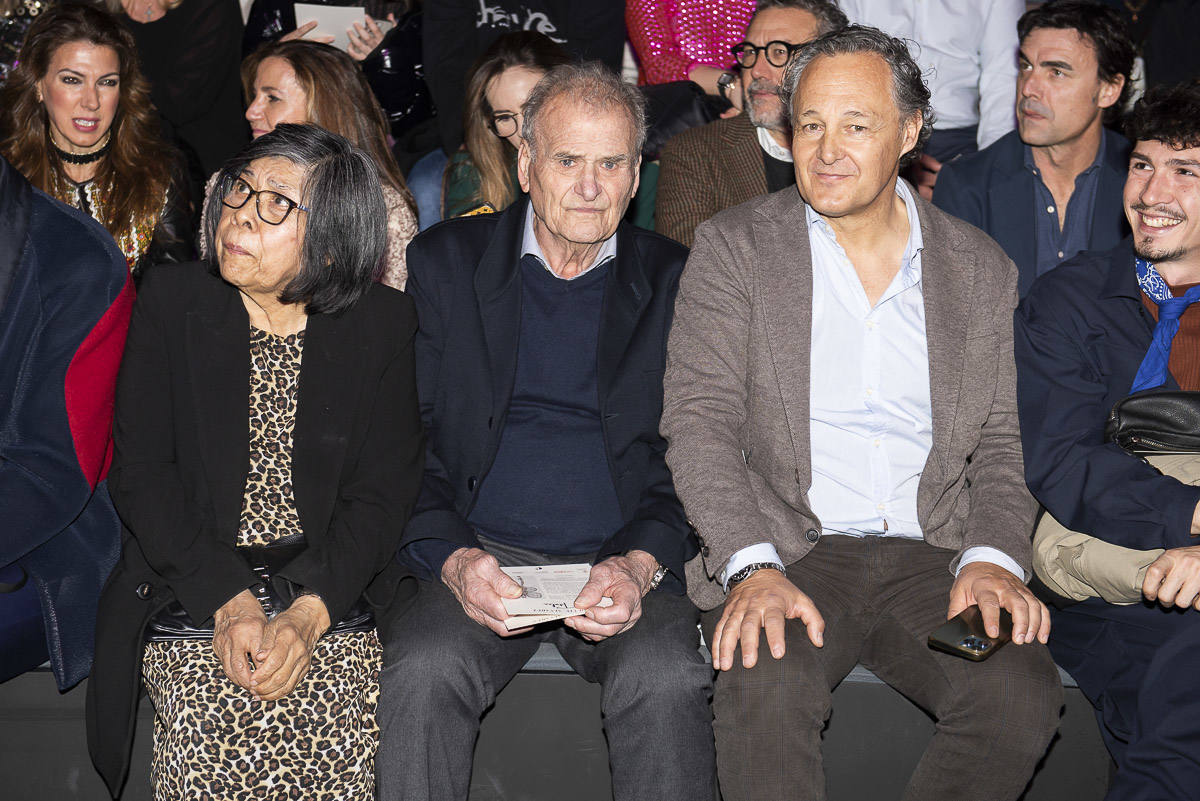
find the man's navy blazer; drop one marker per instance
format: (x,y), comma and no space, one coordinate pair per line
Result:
(1080,336)
(994,191)
(464,275)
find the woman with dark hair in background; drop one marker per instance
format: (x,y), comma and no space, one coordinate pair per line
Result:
(77,122)
(241,596)
(308,82)
(482,175)
(190,51)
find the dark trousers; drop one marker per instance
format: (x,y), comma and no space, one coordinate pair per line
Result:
(442,671)
(880,598)
(1140,666)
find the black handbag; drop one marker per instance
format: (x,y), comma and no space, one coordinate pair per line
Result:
(1156,421)
(274,594)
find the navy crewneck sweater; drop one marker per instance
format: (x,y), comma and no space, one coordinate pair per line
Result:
(550,488)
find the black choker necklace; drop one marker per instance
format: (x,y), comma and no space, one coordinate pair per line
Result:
(82,158)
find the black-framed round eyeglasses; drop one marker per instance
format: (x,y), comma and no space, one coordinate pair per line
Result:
(273,212)
(504,124)
(777,52)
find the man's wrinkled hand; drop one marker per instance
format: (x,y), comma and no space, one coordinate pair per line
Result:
(624,579)
(288,642)
(992,588)
(475,578)
(762,603)
(1173,579)
(238,627)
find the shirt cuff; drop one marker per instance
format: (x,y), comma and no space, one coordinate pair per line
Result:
(984,553)
(751,554)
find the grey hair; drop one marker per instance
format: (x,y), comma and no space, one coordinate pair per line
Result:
(346,229)
(829,17)
(908,88)
(591,84)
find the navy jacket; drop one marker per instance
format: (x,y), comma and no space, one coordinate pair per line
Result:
(1081,335)
(994,191)
(464,275)
(65,299)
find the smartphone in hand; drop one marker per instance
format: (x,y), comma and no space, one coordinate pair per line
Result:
(963,635)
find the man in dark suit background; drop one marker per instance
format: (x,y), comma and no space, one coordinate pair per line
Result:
(1052,188)
(729,161)
(1096,329)
(540,358)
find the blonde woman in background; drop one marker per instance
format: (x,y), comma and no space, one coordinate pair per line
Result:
(307,82)
(482,175)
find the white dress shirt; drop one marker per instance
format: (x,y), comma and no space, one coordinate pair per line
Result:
(771,147)
(870,420)
(967,50)
(531,247)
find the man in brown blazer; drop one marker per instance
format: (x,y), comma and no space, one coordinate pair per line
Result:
(729,161)
(841,417)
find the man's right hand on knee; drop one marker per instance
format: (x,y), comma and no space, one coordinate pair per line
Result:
(763,601)
(475,578)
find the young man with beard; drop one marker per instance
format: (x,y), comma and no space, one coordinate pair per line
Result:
(1098,328)
(729,161)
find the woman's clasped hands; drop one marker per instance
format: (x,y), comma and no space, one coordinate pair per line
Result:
(268,658)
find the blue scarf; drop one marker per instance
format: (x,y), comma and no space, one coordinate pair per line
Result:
(1153,371)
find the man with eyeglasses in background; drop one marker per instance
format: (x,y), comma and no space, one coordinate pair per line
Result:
(708,169)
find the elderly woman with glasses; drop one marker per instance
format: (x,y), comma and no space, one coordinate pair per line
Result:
(483,175)
(268,452)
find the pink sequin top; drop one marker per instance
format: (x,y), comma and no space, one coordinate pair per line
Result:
(671,36)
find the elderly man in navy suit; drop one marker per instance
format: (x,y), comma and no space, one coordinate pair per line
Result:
(540,359)
(1052,188)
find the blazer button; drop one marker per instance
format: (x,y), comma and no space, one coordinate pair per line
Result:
(704,551)
(471,484)
(144,590)
(812,535)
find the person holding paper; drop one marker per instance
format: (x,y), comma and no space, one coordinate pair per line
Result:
(540,357)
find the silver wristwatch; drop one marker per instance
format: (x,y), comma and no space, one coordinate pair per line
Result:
(749,570)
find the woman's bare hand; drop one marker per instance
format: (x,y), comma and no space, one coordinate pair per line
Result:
(285,653)
(238,628)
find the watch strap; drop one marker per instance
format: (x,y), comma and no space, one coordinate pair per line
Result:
(749,570)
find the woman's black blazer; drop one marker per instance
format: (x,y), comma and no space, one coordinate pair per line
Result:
(181,433)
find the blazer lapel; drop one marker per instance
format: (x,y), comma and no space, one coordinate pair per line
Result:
(1011,200)
(947,275)
(781,235)
(218,356)
(743,175)
(498,292)
(329,388)
(626,295)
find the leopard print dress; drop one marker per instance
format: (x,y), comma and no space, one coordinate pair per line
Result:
(210,740)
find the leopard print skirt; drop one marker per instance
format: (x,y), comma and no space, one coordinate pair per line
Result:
(213,743)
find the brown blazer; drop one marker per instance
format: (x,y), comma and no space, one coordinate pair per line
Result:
(705,170)
(737,389)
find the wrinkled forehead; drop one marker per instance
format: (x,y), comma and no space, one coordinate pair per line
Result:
(574,123)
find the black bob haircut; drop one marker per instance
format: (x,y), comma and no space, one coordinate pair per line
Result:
(1169,114)
(1100,25)
(346,229)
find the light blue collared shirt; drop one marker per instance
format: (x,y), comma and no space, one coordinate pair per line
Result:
(870,419)
(531,247)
